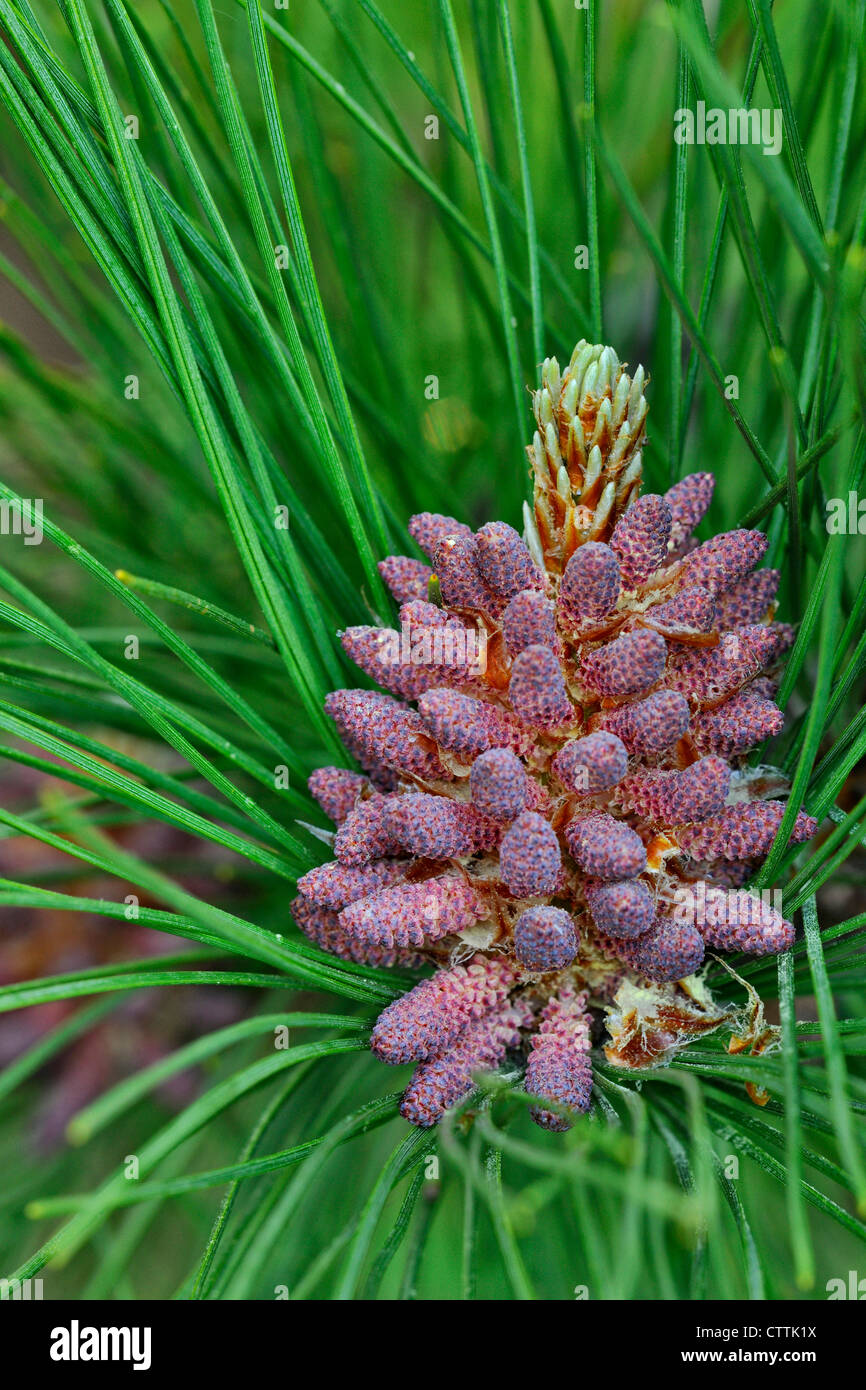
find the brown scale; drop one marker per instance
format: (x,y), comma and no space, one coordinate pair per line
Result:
(642,1041)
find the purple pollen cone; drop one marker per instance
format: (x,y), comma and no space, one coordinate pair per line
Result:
(530,861)
(721,563)
(621,909)
(364,834)
(406,578)
(743,831)
(505,563)
(468,726)
(640,539)
(688,500)
(537,690)
(559,1067)
(435,827)
(436,1010)
(669,798)
(385,731)
(692,610)
(545,939)
(651,725)
(335,885)
(457,564)
(590,585)
(670,950)
(739,724)
(445,1078)
(736,920)
(427,529)
(499,784)
(591,764)
(749,600)
(627,666)
(529,621)
(710,675)
(336,789)
(605,848)
(322,926)
(411,913)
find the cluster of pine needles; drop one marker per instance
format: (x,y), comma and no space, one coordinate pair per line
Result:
(272,279)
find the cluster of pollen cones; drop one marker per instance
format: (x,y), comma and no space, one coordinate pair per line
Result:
(553,810)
